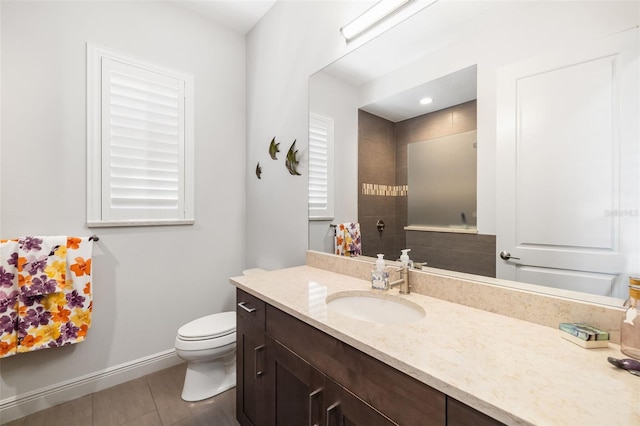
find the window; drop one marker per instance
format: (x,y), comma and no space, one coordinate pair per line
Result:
(320,168)
(139,142)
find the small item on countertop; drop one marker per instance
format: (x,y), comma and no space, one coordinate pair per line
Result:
(630,326)
(584,335)
(404,258)
(380,277)
(631,365)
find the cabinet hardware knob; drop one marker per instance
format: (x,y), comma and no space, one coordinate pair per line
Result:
(246,308)
(330,412)
(258,351)
(316,394)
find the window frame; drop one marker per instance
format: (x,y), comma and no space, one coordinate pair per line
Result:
(327,213)
(185,216)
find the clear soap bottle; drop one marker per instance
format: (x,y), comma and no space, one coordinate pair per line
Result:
(380,277)
(630,326)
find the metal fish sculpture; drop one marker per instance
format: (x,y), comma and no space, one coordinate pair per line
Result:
(259,171)
(291,161)
(274,148)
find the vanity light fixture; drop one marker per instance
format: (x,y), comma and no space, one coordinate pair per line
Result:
(426,101)
(371,17)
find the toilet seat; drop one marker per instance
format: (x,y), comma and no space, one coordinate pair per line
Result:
(209,327)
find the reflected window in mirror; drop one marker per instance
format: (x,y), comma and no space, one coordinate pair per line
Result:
(320,168)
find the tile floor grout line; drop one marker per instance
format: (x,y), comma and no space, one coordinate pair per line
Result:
(153,397)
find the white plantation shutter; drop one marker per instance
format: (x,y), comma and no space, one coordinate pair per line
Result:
(320,168)
(144,149)
(142,143)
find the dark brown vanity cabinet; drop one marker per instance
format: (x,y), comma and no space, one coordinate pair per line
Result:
(300,394)
(460,414)
(296,389)
(250,349)
(290,373)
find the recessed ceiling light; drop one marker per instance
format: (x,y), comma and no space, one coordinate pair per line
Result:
(426,101)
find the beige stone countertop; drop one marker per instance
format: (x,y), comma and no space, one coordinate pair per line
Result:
(512,370)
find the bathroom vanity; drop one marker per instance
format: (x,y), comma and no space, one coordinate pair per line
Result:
(299,362)
(293,374)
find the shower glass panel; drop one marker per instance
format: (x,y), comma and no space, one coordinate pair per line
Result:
(442,182)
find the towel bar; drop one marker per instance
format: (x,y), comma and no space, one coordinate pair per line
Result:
(94,238)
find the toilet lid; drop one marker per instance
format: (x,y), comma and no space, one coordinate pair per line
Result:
(208,327)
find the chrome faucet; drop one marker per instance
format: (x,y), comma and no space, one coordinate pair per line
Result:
(403,282)
(419,265)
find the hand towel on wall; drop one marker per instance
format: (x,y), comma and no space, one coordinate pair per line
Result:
(41,263)
(348,239)
(8,298)
(54,303)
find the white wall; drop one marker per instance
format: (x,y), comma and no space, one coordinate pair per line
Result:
(148,281)
(293,41)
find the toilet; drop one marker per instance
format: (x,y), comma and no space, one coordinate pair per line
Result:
(208,345)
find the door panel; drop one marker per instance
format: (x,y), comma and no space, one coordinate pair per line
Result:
(571,280)
(568,167)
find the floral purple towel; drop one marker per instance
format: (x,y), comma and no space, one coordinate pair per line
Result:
(41,264)
(45,292)
(348,239)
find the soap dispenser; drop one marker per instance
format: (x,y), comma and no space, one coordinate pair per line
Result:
(404,258)
(630,326)
(380,277)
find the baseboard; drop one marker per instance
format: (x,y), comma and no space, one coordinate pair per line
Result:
(22,405)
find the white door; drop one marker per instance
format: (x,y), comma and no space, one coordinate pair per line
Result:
(568,169)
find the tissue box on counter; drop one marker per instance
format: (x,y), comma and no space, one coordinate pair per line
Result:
(584,335)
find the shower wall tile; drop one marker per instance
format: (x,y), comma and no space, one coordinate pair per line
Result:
(470,253)
(456,119)
(382,159)
(464,117)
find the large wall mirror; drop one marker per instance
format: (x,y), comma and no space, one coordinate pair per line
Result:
(550,92)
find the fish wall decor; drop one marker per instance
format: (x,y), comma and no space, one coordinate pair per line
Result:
(291,162)
(274,148)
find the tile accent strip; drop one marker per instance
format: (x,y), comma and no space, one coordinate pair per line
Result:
(384,190)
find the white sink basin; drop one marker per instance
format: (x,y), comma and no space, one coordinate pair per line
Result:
(375,307)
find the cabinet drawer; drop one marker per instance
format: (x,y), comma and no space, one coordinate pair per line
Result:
(401,398)
(459,414)
(250,310)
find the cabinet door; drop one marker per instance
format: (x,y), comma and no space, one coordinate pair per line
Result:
(346,409)
(250,353)
(459,414)
(399,397)
(295,390)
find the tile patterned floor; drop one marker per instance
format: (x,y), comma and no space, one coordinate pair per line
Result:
(152,400)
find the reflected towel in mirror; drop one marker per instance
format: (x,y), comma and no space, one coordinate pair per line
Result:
(348,239)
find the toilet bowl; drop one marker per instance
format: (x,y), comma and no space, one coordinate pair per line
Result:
(208,345)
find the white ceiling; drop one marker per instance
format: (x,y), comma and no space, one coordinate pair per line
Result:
(429,30)
(452,89)
(237,15)
(361,66)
